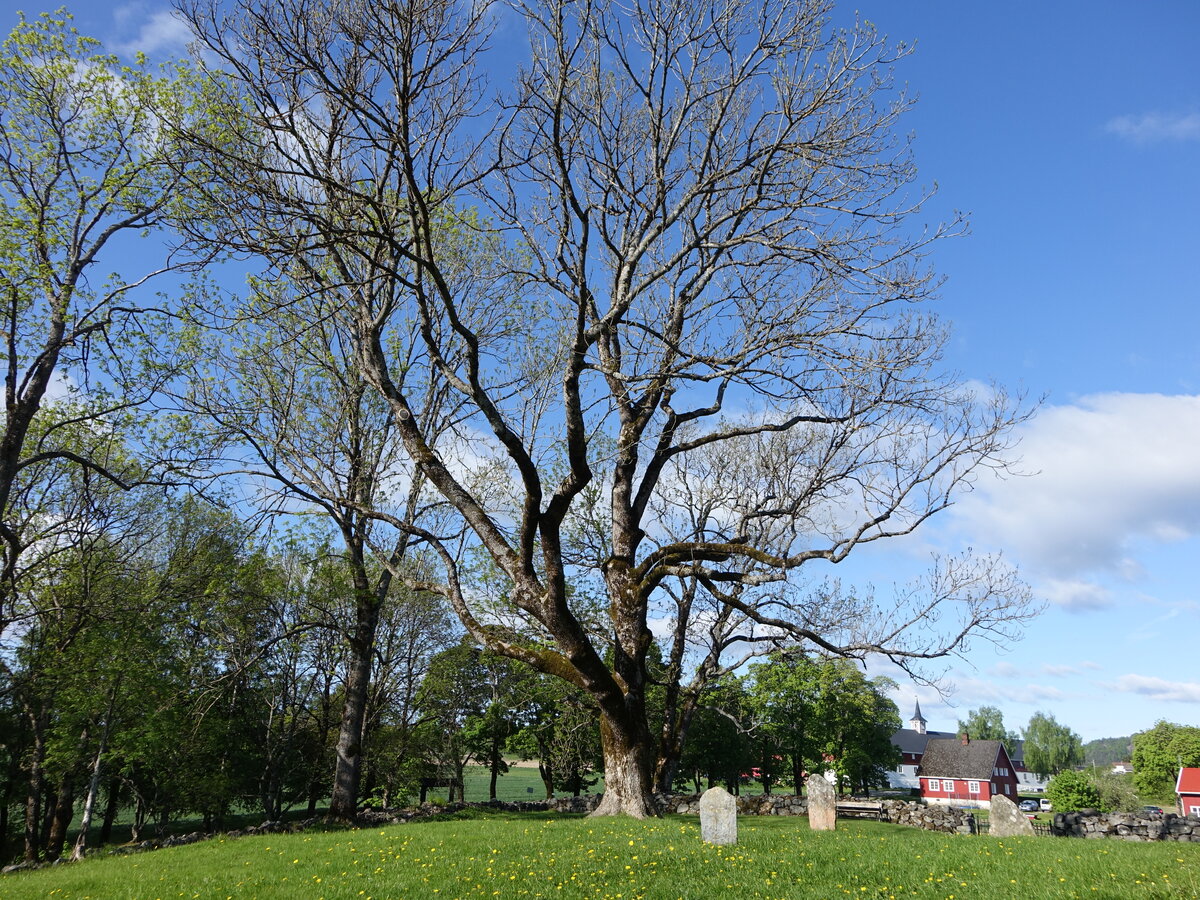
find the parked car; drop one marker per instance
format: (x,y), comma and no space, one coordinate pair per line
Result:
(1152,809)
(1044,805)
(1028,806)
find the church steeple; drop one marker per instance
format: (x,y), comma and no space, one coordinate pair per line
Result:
(917,722)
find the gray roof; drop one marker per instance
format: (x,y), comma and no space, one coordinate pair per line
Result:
(954,759)
(910,741)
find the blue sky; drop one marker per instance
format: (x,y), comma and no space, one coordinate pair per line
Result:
(1070,133)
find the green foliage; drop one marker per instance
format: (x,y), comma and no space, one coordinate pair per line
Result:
(825,714)
(1158,755)
(560,729)
(1072,790)
(1049,746)
(1117,791)
(986,724)
(718,748)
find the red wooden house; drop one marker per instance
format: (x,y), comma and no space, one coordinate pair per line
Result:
(963,772)
(1187,786)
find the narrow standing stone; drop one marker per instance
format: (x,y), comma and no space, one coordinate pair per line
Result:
(822,803)
(718,817)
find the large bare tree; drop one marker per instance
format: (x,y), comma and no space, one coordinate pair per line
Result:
(700,354)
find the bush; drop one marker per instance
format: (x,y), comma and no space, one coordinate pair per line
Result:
(1072,790)
(1117,793)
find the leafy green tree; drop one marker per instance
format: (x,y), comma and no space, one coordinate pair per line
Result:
(1117,791)
(986,724)
(487,732)
(560,731)
(414,627)
(1158,755)
(825,714)
(784,699)
(860,720)
(87,158)
(719,747)
(452,694)
(1050,747)
(1073,790)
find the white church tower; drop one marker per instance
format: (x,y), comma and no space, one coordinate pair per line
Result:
(917,722)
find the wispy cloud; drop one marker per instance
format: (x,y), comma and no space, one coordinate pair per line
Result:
(1059,671)
(1115,473)
(1006,670)
(1042,692)
(162,31)
(1155,127)
(1159,688)
(1074,593)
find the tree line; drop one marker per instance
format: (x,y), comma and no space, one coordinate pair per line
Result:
(614,350)
(174,666)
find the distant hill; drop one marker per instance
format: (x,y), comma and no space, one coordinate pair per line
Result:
(1106,751)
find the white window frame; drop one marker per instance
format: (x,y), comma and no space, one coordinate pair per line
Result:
(935,784)
(1194,811)
(972,787)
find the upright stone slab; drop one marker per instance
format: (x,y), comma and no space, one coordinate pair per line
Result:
(718,816)
(822,803)
(1007,820)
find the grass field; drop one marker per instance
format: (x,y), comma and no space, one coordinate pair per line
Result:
(481,854)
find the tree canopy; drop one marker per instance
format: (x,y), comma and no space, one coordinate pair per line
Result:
(987,723)
(1050,747)
(1158,755)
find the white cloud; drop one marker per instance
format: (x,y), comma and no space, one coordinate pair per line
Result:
(1112,473)
(1155,127)
(1041,692)
(1006,670)
(1074,593)
(1059,671)
(160,32)
(1159,689)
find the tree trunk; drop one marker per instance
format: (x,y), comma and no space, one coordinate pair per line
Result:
(348,767)
(33,798)
(547,776)
(6,797)
(89,803)
(628,768)
(675,729)
(110,809)
(64,811)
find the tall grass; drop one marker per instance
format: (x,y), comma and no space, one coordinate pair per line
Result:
(479,854)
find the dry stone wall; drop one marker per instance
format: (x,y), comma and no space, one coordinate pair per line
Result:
(934,817)
(1090,823)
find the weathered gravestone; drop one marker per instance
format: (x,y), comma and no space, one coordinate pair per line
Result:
(1008,821)
(822,803)
(718,817)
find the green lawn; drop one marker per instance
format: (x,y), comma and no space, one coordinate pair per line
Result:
(493,855)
